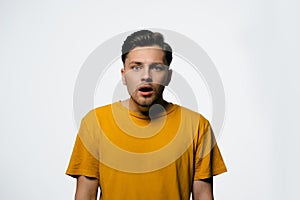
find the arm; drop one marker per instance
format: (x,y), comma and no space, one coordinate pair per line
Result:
(86,188)
(203,189)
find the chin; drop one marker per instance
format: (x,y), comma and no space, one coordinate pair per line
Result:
(144,102)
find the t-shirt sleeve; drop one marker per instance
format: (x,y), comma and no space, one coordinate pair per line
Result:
(208,158)
(83,160)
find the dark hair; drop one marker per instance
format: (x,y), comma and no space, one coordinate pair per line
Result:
(144,38)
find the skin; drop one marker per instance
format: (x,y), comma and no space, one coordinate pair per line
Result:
(86,188)
(203,189)
(144,66)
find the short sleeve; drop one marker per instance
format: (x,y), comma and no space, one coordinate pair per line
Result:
(208,158)
(83,160)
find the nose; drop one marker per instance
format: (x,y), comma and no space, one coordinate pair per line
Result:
(146,75)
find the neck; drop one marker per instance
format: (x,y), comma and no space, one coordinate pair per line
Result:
(156,107)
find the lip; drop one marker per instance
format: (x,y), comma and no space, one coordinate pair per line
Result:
(145,90)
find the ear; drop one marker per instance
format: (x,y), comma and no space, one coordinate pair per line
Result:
(123,76)
(169,77)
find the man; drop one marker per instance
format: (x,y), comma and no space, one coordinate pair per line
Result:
(145,147)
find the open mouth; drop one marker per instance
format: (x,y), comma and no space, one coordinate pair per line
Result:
(145,90)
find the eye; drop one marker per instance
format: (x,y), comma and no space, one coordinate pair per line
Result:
(136,67)
(157,67)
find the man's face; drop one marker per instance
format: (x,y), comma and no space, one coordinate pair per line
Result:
(146,74)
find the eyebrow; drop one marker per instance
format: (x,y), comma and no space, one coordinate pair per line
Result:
(135,62)
(140,63)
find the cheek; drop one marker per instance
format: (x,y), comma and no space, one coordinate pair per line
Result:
(131,82)
(161,79)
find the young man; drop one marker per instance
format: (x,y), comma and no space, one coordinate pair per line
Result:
(145,148)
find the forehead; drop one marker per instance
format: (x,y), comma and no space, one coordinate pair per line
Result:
(147,54)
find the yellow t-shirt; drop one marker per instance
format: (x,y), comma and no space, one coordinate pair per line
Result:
(136,157)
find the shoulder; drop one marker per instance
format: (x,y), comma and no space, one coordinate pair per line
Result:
(191,114)
(93,115)
(103,109)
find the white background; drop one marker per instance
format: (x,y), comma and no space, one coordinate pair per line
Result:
(254,45)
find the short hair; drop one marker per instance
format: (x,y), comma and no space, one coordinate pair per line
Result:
(144,38)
